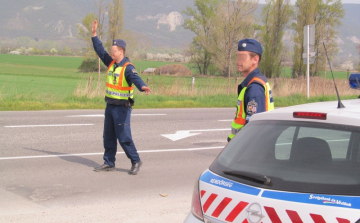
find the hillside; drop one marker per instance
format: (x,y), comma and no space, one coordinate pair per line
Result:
(160,20)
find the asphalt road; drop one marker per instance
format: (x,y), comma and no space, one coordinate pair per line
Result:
(47,160)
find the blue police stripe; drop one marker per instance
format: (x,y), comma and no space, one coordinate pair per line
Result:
(319,199)
(209,177)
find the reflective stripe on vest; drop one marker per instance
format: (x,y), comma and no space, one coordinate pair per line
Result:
(240,116)
(118,94)
(116,84)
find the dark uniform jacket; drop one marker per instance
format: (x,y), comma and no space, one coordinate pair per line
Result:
(254,95)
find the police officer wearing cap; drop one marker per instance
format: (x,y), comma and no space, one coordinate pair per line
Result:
(120,81)
(254,93)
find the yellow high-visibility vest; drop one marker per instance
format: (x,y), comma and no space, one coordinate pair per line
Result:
(240,116)
(116,85)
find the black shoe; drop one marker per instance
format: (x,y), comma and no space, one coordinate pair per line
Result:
(104,167)
(135,168)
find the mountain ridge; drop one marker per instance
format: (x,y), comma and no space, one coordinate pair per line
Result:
(159,20)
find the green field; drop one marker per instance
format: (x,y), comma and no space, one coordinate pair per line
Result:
(45,82)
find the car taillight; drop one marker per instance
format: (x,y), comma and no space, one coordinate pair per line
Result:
(310,115)
(196,204)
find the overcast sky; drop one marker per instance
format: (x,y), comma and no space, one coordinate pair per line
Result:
(343,1)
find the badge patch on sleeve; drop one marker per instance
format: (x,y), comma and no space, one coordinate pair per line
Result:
(134,71)
(251,107)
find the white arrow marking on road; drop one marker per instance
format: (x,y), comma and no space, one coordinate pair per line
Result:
(101,115)
(179,135)
(186,133)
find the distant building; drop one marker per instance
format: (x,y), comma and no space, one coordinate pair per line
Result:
(15,52)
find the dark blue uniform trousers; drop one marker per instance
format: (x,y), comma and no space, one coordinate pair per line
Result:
(117,127)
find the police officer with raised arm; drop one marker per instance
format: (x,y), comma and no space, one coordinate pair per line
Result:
(120,80)
(254,93)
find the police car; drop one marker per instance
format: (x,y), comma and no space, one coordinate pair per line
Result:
(294,164)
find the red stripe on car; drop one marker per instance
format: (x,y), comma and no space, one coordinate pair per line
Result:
(294,216)
(221,207)
(202,193)
(317,218)
(341,220)
(209,201)
(272,214)
(236,211)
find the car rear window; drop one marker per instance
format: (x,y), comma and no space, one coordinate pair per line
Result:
(297,156)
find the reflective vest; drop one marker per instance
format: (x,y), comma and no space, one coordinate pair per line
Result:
(116,85)
(240,116)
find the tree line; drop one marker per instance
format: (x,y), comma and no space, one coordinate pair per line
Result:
(110,17)
(219,24)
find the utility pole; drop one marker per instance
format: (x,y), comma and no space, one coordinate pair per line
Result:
(309,42)
(308,63)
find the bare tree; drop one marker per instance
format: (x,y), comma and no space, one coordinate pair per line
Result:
(234,21)
(305,11)
(134,41)
(199,57)
(84,34)
(326,15)
(200,23)
(327,20)
(275,16)
(102,8)
(116,21)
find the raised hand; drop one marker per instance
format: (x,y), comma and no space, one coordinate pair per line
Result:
(94,27)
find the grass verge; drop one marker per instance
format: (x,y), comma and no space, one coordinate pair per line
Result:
(49,83)
(151,101)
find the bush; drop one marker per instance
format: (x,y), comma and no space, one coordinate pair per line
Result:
(173,69)
(91,65)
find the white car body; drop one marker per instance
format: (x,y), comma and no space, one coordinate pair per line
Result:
(227,200)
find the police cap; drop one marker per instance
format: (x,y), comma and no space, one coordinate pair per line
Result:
(250,45)
(119,42)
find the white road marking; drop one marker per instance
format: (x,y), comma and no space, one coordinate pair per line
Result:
(186,133)
(85,116)
(93,154)
(54,125)
(179,135)
(226,120)
(101,115)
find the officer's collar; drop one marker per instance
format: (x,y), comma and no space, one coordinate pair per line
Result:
(122,62)
(252,74)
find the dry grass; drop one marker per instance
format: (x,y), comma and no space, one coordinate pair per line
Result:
(183,87)
(318,86)
(87,89)
(180,86)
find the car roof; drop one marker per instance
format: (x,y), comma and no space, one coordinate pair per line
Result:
(350,115)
